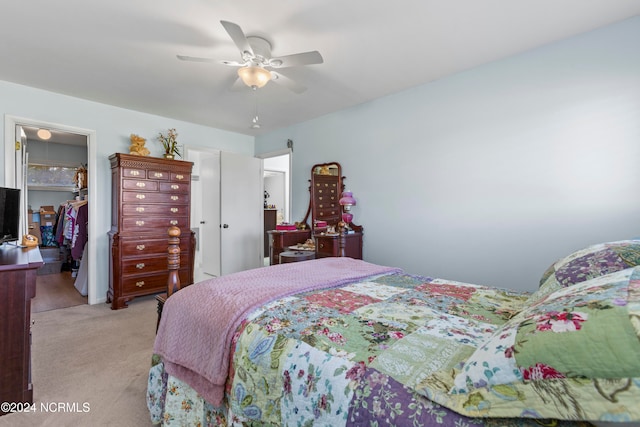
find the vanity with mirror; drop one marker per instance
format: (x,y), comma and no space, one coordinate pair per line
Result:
(327,222)
(333,232)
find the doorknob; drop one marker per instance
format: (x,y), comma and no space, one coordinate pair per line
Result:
(202,222)
(225,225)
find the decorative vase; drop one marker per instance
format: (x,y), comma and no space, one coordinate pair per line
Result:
(168,156)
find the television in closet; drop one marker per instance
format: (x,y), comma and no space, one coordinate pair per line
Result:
(9,214)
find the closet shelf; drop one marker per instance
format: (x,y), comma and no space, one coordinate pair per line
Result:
(51,188)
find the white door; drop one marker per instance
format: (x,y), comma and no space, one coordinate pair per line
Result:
(241,207)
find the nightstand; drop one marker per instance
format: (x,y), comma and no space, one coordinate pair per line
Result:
(280,240)
(348,245)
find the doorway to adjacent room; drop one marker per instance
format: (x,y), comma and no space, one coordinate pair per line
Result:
(277,193)
(45,168)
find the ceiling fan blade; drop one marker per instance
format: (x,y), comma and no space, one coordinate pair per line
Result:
(238,37)
(287,82)
(233,63)
(306,58)
(194,58)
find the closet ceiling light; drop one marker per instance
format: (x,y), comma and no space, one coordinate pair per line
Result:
(44,134)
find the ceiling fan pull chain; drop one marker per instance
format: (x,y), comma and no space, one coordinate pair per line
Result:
(255,121)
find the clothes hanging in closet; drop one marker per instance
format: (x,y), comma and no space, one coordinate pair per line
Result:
(80,235)
(71,228)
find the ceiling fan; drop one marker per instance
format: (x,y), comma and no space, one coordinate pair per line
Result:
(257,65)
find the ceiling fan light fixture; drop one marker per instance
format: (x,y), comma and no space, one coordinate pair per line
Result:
(254,76)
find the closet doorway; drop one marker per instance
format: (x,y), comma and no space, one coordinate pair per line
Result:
(50,163)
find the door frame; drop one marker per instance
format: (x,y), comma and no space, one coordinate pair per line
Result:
(278,153)
(10,123)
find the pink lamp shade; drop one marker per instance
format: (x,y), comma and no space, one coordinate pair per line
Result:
(347,201)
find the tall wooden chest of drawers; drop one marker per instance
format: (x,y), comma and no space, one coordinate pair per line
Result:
(149,195)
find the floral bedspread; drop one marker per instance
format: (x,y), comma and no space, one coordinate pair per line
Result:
(405,350)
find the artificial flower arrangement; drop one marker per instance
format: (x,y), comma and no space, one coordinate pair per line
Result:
(170,143)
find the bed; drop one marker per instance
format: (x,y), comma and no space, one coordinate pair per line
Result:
(343,342)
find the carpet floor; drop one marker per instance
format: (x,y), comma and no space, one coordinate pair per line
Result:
(94,361)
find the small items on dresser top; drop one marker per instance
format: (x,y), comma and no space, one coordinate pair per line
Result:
(285,226)
(308,245)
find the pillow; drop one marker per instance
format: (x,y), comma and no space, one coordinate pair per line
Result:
(572,355)
(594,261)
(587,263)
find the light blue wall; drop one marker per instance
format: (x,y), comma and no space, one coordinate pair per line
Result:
(112,126)
(489,175)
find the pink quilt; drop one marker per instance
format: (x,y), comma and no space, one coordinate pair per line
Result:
(198,323)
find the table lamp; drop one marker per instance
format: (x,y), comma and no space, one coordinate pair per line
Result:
(347,201)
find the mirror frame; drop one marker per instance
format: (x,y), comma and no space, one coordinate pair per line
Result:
(329,169)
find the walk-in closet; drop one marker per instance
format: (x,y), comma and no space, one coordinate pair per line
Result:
(55,165)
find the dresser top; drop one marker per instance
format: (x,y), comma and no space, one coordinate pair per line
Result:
(145,162)
(17,258)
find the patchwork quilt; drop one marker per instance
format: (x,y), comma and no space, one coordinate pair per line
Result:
(399,349)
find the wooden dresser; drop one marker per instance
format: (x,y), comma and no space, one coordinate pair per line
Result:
(17,286)
(149,195)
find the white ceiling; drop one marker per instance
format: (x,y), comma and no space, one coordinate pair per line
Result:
(123,52)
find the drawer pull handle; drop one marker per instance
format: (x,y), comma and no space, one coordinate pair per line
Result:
(158,175)
(174,186)
(174,210)
(139,223)
(139,209)
(141,184)
(321,245)
(140,247)
(174,198)
(140,196)
(134,173)
(173,222)
(140,283)
(140,266)
(179,176)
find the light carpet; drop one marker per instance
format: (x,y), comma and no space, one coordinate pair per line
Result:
(94,361)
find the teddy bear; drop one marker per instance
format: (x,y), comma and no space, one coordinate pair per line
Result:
(137,147)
